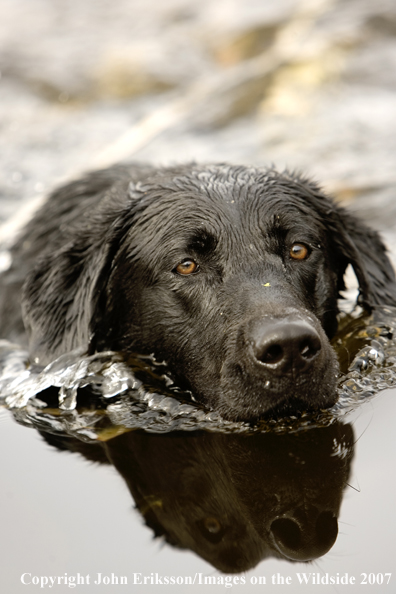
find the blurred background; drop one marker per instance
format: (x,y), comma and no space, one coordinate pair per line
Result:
(303,84)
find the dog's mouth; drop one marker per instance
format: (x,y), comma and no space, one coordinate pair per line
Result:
(278,368)
(275,406)
(243,395)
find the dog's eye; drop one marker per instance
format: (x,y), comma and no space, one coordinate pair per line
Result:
(212,525)
(187,267)
(299,251)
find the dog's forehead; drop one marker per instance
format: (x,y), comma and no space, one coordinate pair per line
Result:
(222,196)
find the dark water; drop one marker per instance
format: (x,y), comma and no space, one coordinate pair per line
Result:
(60,513)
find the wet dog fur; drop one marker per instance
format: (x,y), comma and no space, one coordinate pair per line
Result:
(230,274)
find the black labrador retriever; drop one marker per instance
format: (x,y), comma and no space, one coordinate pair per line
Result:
(230,274)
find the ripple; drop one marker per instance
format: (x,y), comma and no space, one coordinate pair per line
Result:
(103,395)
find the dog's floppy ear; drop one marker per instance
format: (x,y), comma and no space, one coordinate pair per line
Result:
(362,247)
(59,295)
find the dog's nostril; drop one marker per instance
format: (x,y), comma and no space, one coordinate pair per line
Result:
(310,348)
(305,535)
(273,354)
(287,533)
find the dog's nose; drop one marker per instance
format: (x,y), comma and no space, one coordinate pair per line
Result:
(306,534)
(286,345)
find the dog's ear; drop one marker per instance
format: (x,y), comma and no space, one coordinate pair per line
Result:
(62,294)
(59,295)
(362,247)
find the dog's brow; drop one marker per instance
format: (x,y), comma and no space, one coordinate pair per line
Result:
(202,242)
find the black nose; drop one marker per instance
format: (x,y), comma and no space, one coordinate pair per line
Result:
(305,535)
(286,345)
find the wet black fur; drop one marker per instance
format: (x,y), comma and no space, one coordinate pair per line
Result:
(100,257)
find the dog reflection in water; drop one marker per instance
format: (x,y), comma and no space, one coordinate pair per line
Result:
(234,499)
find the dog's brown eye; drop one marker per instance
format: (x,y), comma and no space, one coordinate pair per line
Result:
(212,525)
(187,267)
(299,251)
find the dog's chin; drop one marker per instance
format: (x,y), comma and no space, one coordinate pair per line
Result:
(294,405)
(273,406)
(237,399)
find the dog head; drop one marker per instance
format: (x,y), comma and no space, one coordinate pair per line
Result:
(229,274)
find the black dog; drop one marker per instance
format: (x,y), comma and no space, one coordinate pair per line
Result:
(229,274)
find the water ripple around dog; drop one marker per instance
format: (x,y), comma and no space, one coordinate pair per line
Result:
(98,397)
